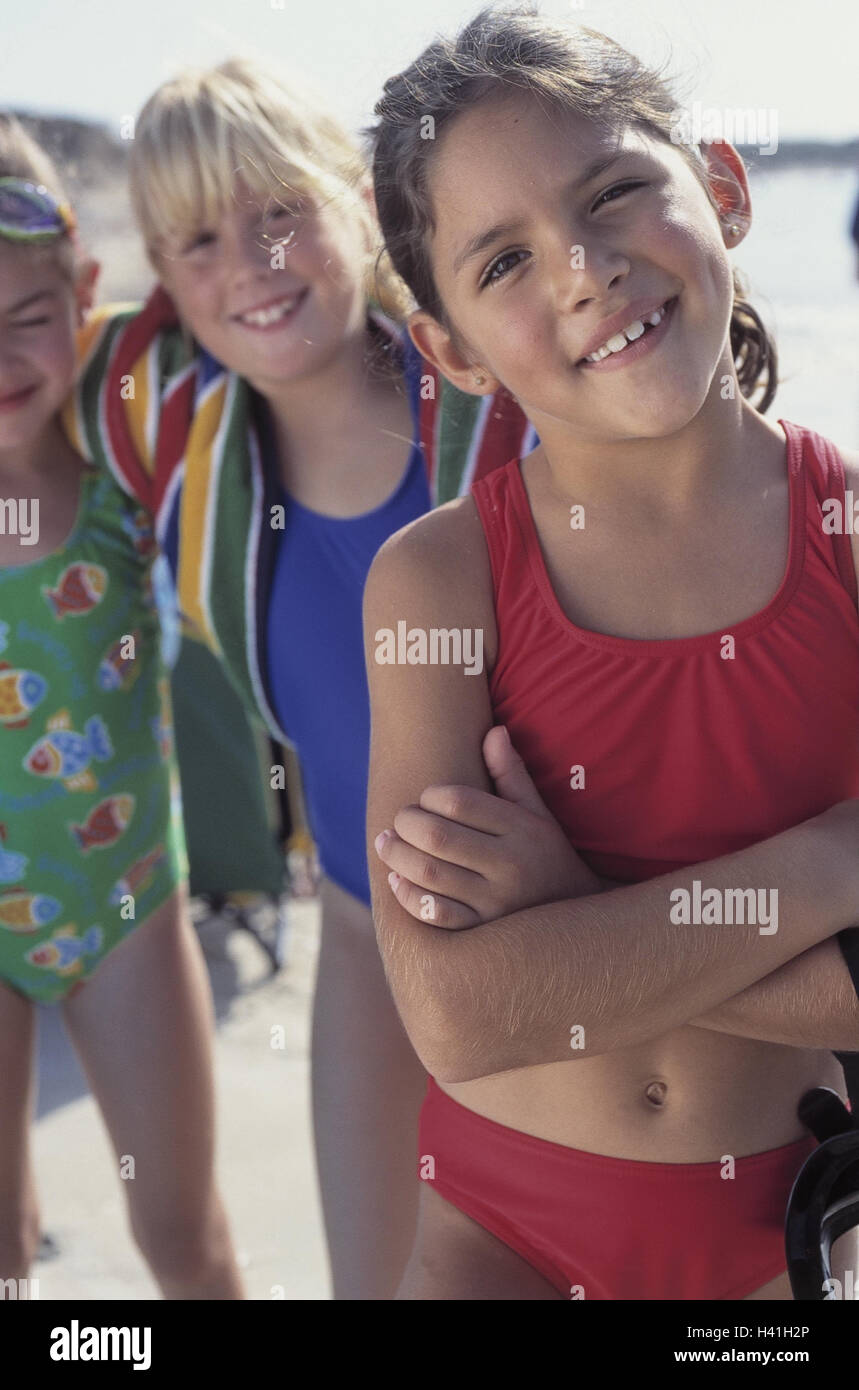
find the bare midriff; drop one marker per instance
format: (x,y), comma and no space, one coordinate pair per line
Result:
(690,1097)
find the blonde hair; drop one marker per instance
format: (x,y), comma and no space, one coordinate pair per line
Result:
(203,127)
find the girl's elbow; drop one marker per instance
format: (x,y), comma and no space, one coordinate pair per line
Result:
(438,1046)
(442,1041)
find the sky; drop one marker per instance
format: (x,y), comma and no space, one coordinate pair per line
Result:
(101,58)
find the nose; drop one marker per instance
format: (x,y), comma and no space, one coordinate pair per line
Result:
(585,268)
(248,254)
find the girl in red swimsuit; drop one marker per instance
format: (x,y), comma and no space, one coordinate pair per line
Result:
(618,1033)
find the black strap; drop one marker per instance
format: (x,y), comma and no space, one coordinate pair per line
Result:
(849,942)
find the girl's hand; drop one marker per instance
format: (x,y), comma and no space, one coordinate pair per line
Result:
(464,857)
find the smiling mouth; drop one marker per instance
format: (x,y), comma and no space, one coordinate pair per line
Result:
(271,314)
(620,342)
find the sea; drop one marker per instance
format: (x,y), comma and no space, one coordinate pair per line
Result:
(802,271)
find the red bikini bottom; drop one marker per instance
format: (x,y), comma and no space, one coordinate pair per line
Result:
(614,1228)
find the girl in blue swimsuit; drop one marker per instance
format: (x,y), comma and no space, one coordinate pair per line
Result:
(257,217)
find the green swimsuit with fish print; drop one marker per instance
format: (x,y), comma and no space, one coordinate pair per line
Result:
(91,836)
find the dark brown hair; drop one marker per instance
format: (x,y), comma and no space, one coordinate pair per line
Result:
(574,68)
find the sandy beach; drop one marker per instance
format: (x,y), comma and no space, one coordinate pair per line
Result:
(265,1153)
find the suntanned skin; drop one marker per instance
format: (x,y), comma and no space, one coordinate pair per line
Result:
(792,989)
(642,1000)
(687,504)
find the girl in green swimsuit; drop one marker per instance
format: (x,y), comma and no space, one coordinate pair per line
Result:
(92,854)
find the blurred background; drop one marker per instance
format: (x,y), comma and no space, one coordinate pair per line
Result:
(79,73)
(789,69)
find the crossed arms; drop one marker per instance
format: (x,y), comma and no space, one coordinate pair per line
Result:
(505,993)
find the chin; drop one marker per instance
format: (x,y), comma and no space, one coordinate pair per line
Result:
(663,423)
(668,412)
(20,438)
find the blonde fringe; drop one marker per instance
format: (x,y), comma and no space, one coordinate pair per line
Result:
(204,127)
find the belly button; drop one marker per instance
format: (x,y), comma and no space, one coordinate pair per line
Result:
(656,1092)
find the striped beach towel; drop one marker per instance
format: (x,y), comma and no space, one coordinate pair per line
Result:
(177,430)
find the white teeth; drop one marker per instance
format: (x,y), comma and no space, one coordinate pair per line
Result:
(619,341)
(261,318)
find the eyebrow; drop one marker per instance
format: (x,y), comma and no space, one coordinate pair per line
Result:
(499,230)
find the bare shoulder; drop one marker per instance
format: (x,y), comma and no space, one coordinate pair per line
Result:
(453,530)
(438,567)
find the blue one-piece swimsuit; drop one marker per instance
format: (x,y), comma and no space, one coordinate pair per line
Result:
(315,654)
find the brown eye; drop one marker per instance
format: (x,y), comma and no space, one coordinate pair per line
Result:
(490,278)
(618,189)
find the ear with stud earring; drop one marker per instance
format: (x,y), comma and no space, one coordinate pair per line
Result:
(481,380)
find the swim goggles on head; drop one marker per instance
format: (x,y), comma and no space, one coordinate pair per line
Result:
(28,212)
